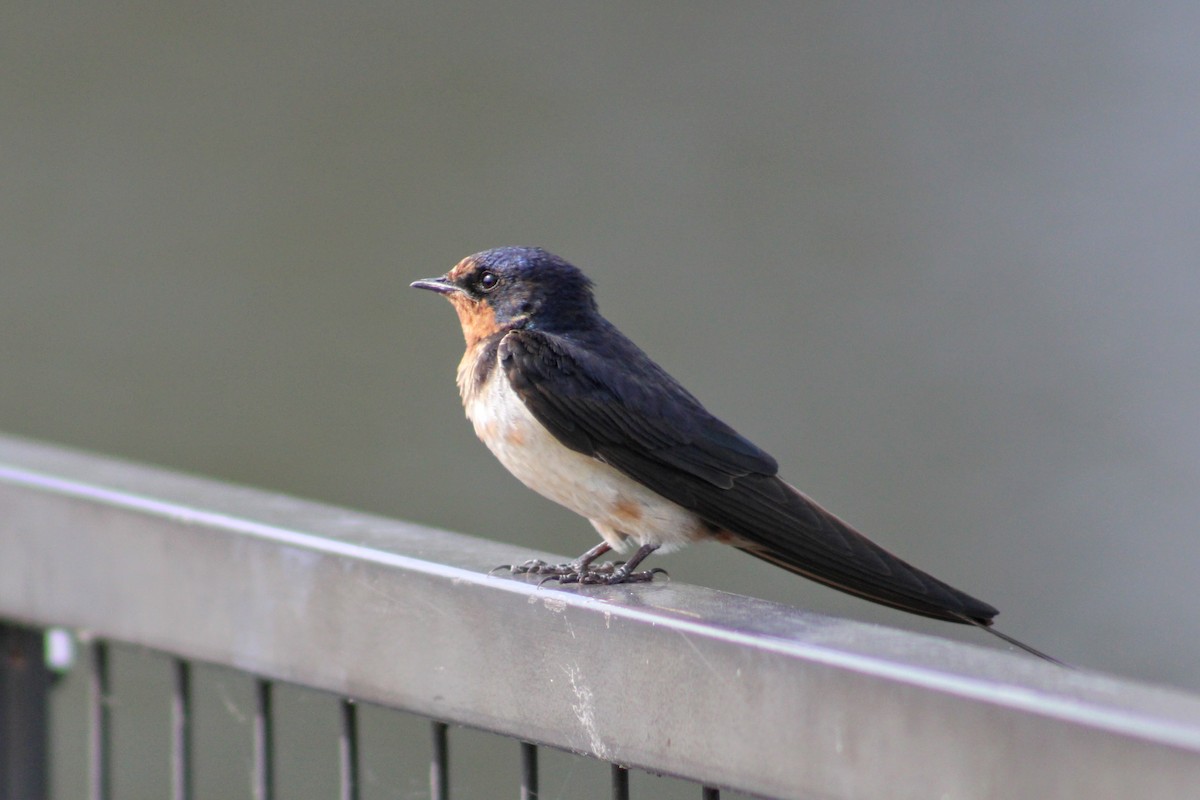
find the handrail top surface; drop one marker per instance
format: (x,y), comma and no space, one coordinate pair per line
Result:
(665,614)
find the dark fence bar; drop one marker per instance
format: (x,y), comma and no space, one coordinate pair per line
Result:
(99,724)
(348,751)
(24,703)
(264,742)
(439,762)
(620,783)
(529,771)
(181,731)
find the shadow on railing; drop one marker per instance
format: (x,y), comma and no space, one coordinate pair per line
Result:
(720,690)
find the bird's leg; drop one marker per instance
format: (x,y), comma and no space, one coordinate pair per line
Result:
(623,573)
(571,571)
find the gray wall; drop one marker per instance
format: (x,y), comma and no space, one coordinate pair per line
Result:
(943,262)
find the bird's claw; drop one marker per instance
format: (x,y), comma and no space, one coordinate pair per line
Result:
(619,576)
(608,573)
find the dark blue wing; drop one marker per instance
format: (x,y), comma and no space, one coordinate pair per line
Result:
(610,401)
(593,403)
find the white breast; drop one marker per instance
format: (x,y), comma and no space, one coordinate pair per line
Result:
(618,506)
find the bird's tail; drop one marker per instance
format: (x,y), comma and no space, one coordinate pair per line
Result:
(906,588)
(983,613)
(1017,643)
(774,521)
(792,531)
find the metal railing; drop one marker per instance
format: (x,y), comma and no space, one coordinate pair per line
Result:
(722,690)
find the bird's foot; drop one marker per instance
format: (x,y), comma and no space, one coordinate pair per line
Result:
(607,573)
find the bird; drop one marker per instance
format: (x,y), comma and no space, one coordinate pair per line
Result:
(581,415)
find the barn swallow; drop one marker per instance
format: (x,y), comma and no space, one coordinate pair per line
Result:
(578,413)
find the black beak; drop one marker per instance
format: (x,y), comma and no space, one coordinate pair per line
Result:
(439,285)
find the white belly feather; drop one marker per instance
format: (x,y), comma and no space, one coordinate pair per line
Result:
(618,506)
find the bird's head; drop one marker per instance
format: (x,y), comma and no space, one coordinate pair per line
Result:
(514,287)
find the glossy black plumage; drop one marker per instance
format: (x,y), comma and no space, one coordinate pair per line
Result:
(600,395)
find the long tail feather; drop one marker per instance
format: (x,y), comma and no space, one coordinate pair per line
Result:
(1015,642)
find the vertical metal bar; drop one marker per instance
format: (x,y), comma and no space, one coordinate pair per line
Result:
(100,725)
(620,783)
(348,750)
(181,731)
(709,793)
(24,702)
(439,764)
(529,771)
(264,742)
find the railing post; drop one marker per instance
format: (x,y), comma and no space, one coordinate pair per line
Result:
(24,709)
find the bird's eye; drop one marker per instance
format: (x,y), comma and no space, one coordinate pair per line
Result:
(488,281)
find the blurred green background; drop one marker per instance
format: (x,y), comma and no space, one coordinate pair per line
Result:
(941,261)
